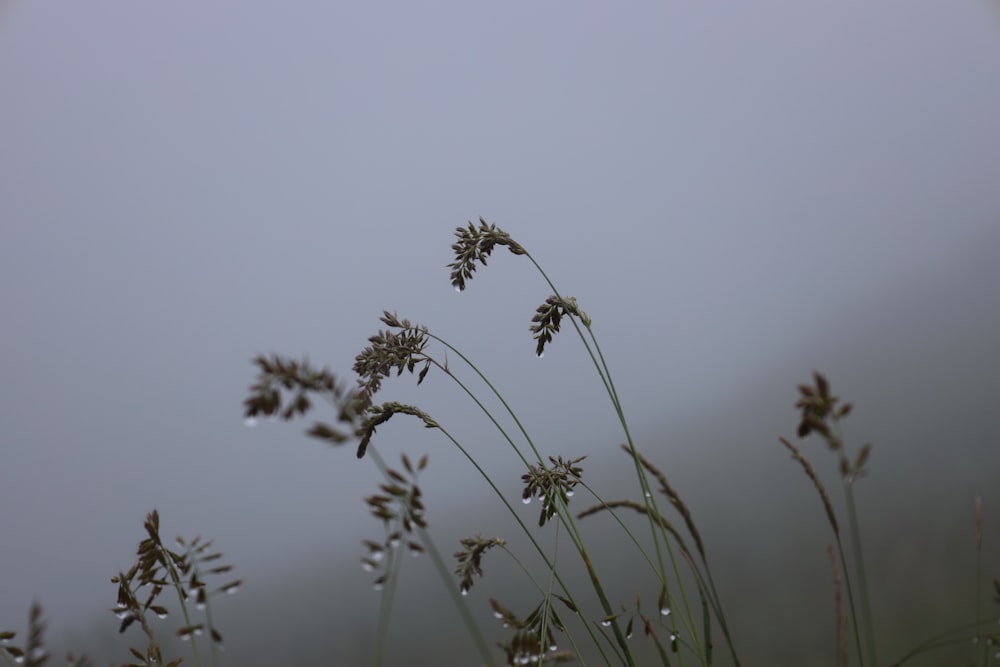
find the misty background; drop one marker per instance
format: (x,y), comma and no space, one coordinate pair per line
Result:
(737,194)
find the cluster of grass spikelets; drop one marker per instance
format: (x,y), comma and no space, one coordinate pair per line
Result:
(287,388)
(821,415)
(33,653)
(184,571)
(683,626)
(157,569)
(570,619)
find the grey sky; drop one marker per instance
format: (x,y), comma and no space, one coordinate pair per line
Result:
(185,185)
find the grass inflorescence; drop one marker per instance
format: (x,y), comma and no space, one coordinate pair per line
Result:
(678,616)
(184,572)
(691,624)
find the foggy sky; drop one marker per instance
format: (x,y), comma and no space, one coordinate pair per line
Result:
(186,185)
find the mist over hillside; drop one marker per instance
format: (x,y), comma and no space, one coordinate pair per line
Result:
(918,360)
(736,195)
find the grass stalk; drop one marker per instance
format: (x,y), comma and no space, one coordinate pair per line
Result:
(402,348)
(446,579)
(564,515)
(604,373)
(859,561)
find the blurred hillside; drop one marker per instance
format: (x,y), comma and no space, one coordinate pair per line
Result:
(920,363)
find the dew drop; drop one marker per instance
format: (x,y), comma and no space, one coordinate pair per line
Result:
(673,637)
(540,355)
(121,614)
(569,494)
(648,494)
(377,556)
(553,647)
(665,611)
(465,591)
(458,288)
(367,566)
(497,614)
(606,623)
(377,586)
(161,615)
(19,659)
(200,606)
(250,422)
(232,590)
(526,500)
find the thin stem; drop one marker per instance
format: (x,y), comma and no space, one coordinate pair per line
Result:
(564,516)
(547,592)
(527,533)
(943,639)
(495,392)
(866,611)
(604,373)
(211,627)
(443,572)
(850,598)
(179,588)
(385,605)
(610,510)
(979,578)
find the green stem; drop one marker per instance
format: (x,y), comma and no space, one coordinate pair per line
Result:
(850,598)
(866,610)
(210,625)
(385,605)
(445,575)
(565,517)
(604,372)
(179,588)
(948,638)
(979,593)
(524,529)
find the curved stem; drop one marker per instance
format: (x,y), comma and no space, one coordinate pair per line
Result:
(649,499)
(442,569)
(564,515)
